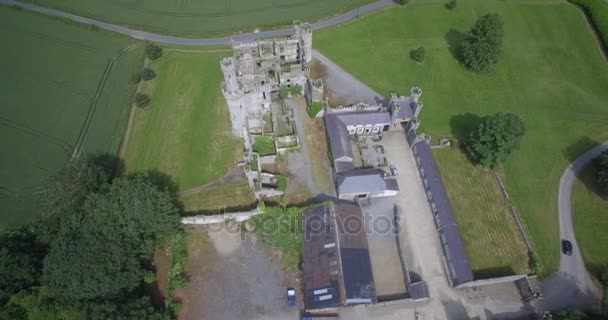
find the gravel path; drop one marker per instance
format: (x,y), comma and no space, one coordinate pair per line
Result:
(245,37)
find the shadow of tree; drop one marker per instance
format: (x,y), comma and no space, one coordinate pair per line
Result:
(587,175)
(455,39)
(463,124)
(111,164)
(493,272)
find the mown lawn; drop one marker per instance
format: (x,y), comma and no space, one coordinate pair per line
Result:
(185,131)
(490,235)
(219,199)
(590,212)
(59,93)
(203,17)
(552,75)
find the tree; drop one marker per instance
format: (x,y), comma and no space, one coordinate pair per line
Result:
(37,304)
(496,137)
(451,5)
(482,46)
(130,309)
(153,51)
(417,54)
(601,172)
(65,192)
(99,251)
(147,74)
(401,2)
(20,262)
(570,315)
(142,100)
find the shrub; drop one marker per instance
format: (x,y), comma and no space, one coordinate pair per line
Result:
(598,12)
(534,263)
(600,165)
(417,54)
(496,137)
(149,277)
(451,5)
(147,74)
(482,46)
(401,2)
(153,51)
(315,108)
(142,100)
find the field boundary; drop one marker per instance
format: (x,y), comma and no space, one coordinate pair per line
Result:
(125,140)
(84,131)
(522,232)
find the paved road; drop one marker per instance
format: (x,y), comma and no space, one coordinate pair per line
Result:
(571,285)
(142,35)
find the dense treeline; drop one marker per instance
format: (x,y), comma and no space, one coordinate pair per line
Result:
(598,12)
(86,258)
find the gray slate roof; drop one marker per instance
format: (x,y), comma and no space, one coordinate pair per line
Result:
(339,139)
(361,181)
(364,118)
(453,246)
(406,110)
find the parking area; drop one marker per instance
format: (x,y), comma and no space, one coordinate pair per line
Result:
(233,276)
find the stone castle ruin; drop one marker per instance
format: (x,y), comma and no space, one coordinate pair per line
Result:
(258,69)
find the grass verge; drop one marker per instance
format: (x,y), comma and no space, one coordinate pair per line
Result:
(231,197)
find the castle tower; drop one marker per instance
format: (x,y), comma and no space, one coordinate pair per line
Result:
(231,84)
(303,32)
(415,94)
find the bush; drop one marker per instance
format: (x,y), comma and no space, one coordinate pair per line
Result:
(598,12)
(417,54)
(147,74)
(496,137)
(142,100)
(534,263)
(451,5)
(401,2)
(153,51)
(149,277)
(482,46)
(315,108)
(600,166)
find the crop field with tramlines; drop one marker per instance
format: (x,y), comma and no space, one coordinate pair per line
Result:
(203,17)
(490,235)
(65,89)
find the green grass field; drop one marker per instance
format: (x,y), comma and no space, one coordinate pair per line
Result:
(185,131)
(489,232)
(203,17)
(219,198)
(552,75)
(590,224)
(63,87)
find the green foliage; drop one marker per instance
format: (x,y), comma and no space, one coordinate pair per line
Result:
(149,277)
(153,51)
(123,309)
(147,74)
(280,228)
(179,256)
(570,315)
(294,90)
(535,264)
(482,46)
(401,2)
(495,138)
(254,163)
(598,11)
(264,145)
(281,182)
(315,108)
(36,304)
(99,251)
(142,100)
(451,5)
(20,262)
(417,54)
(600,165)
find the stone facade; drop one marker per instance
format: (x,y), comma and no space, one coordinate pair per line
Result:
(257,69)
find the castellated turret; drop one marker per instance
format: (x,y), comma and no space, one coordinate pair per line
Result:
(303,32)
(415,94)
(231,83)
